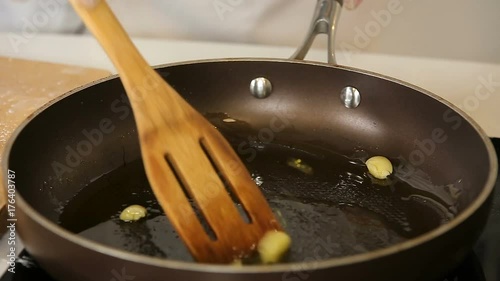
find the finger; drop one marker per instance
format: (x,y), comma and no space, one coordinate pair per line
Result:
(352,4)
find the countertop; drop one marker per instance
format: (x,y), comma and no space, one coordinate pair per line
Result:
(472,86)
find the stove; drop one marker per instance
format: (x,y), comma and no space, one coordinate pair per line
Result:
(482,264)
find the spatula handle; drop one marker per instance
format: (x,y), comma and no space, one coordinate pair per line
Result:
(101,21)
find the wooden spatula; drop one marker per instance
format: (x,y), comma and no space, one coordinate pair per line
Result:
(186,159)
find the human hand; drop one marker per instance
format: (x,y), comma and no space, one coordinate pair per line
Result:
(352,4)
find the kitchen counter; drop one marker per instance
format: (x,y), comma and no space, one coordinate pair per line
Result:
(472,86)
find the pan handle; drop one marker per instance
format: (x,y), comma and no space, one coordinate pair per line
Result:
(326,15)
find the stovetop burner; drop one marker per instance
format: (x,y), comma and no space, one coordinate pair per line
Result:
(482,264)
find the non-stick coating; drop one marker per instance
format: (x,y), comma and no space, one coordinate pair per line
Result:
(392,120)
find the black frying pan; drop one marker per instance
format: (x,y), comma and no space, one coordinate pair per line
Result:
(77,165)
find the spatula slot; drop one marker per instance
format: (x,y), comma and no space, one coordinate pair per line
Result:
(227,184)
(203,221)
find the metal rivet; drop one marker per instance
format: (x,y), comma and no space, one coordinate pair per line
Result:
(350,96)
(261,87)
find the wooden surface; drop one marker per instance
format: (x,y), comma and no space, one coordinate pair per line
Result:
(27,85)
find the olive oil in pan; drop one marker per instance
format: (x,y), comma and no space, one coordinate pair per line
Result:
(328,204)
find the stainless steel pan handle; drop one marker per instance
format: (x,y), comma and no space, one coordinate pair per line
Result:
(326,15)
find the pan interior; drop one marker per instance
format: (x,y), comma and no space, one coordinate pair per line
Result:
(327,202)
(84,159)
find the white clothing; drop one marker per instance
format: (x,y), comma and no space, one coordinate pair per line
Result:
(456,29)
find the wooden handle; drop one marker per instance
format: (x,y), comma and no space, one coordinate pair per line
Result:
(100,20)
(136,74)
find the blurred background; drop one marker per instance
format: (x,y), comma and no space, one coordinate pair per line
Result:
(450,29)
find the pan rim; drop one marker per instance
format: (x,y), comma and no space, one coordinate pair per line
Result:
(487,190)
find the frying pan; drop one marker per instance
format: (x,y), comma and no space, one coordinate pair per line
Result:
(304,129)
